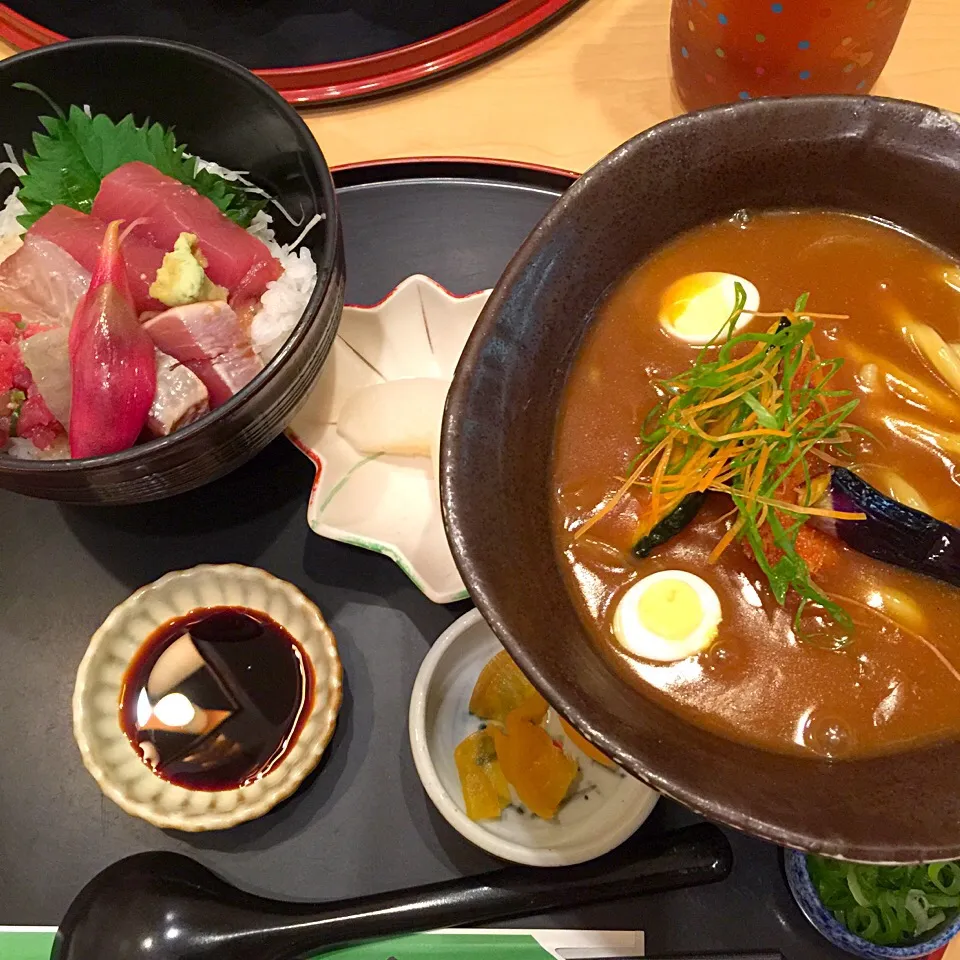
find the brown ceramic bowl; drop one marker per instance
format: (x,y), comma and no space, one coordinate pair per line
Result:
(895,160)
(227,115)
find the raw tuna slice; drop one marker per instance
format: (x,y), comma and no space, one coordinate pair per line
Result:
(208,338)
(180,399)
(82,236)
(235,258)
(42,283)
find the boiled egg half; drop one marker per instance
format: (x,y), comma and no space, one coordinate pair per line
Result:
(667,616)
(696,307)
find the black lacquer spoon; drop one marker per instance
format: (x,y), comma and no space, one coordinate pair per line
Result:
(164,906)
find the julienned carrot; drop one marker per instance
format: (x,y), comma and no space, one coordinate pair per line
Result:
(733,531)
(612,501)
(744,426)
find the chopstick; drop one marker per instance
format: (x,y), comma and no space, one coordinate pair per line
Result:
(741,955)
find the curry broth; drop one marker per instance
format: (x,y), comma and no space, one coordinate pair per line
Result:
(759,683)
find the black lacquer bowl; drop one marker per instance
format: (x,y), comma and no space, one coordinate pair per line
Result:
(884,158)
(226,115)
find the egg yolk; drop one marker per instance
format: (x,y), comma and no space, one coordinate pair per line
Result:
(697,305)
(670,609)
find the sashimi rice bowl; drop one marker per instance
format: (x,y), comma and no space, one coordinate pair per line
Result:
(141,287)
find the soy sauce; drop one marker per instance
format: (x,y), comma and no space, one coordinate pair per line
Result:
(215,699)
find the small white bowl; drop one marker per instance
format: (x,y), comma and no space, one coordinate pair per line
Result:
(114,761)
(390,505)
(608,806)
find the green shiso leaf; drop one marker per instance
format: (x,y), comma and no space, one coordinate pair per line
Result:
(78,150)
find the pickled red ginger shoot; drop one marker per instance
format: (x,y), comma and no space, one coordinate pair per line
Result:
(112,361)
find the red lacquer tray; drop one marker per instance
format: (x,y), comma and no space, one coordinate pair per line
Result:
(330,81)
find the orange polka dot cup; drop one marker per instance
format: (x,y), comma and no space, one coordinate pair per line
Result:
(728,50)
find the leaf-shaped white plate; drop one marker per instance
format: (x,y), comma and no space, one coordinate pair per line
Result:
(383,503)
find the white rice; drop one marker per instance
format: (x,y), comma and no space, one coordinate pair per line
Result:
(281,306)
(285,298)
(23,449)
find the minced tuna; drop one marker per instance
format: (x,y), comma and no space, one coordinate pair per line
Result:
(23,412)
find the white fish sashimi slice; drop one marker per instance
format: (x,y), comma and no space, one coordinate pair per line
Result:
(46,355)
(181,397)
(399,417)
(42,283)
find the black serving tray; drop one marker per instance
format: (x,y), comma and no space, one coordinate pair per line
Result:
(362,823)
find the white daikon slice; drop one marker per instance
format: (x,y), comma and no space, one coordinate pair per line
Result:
(399,417)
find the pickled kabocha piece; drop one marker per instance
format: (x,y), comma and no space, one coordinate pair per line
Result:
(485,789)
(502,688)
(891,531)
(208,338)
(163,208)
(534,709)
(81,235)
(112,361)
(534,764)
(516,747)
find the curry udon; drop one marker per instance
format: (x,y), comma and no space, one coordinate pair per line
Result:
(882,671)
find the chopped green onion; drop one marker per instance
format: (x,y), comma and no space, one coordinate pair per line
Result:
(16,399)
(949,884)
(888,906)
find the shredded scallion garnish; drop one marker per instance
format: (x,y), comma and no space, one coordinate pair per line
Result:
(747,419)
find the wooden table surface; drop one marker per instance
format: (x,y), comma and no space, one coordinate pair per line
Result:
(589,82)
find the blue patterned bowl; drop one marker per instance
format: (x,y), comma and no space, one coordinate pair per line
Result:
(804,892)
